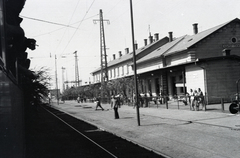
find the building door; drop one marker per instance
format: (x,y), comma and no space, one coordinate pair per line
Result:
(173,85)
(149,86)
(157,84)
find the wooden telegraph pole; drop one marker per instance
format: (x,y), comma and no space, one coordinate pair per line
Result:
(135,66)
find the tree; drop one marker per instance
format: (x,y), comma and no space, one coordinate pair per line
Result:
(36,89)
(121,85)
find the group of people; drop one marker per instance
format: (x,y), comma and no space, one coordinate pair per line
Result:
(81,99)
(195,99)
(115,104)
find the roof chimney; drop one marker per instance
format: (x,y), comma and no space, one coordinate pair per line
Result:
(226,52)
(195,28)
(156,36)
(145,42)
(120,54)
(136,46)
(150,39)
(126,50)
(114,56)
(170,36)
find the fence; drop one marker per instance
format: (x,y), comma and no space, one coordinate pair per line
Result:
(182,102)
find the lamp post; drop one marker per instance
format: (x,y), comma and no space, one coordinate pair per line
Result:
(135,65)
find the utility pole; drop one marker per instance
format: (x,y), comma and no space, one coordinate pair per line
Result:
(56,79)
(76,70)
(135,66)
(63,68)
(103,54)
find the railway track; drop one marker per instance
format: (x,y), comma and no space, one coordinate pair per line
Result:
(61,135)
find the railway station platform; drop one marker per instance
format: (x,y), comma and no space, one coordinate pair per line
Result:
(173,132)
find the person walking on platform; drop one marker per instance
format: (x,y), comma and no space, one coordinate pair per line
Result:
(78,99)
(115,104)
(200,99)
(134,100)
(192,99)
(112,102)
(98,103)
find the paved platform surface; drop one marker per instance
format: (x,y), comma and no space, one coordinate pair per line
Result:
(174,132)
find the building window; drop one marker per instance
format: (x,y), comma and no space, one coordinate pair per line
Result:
(234,40)
(122,70)
(110,73)
(96,78)
(114,72)
(118,71)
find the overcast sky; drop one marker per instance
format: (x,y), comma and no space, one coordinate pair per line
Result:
(62,27)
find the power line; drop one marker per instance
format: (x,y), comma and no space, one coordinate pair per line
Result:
(49,22)
(114,6)
(79,25)
(125,11)
(68,23)
(47,33)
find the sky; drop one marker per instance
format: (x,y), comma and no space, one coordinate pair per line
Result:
(62,27)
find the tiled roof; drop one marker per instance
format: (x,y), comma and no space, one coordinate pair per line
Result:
(189,41)
(181,43)
(129,56)
(121,59)
(161,50)
(177,45)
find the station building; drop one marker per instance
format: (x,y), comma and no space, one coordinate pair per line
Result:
(209,60)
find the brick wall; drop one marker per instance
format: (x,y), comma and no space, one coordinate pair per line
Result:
(221,79)
(213,45)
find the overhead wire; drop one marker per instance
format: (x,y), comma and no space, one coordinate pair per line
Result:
(80,22)
(45,21)
(111,9)
(64,26)
(106,14)
(66,29)
(114,6)
(78,26)
(124,12)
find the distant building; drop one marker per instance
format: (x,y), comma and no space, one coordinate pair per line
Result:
(121,66)
(54,93)
(209,60)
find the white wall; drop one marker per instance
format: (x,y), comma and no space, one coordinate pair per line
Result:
(194,78)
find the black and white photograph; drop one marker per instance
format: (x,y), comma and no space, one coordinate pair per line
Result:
(120,78)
